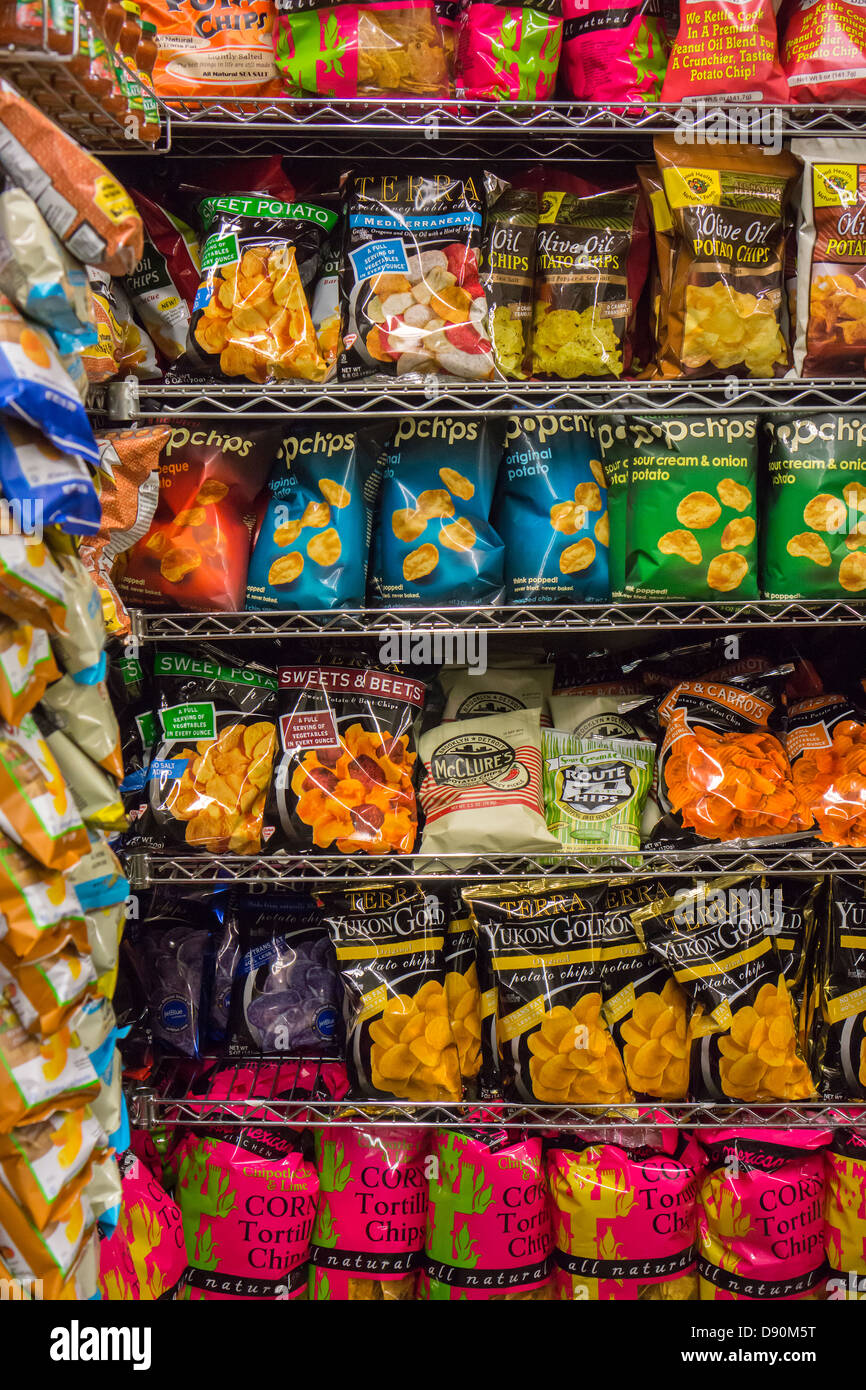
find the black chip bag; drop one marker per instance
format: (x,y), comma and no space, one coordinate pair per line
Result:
(508,274)
(841,1026)
(463,992)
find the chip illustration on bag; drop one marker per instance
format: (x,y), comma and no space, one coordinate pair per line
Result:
(831,260)
(508,274)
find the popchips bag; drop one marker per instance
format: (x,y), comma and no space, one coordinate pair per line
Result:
(507,52)
(831,260)
(434,543)
(346,50)
(841,1027)
(551,511)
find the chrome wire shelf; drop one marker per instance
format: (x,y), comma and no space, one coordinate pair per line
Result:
(178,1095)
(541,621)
(315,871)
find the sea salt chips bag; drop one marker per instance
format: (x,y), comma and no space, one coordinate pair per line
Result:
(844,1215)
(390,939)
(507,52)
(211,763)
(545,947)
(715,941)
(251,315)
(344,776)
(625,1217)
(488,1226)
(740,61)
(725,315)
(338,51)
(595,790)
(840,1058)
(371,1218)
(198,57)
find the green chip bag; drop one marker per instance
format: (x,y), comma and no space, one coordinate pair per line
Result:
(594,790)
(813,537)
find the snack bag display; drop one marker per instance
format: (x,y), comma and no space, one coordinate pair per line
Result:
(27,668)
(500,690)
(313,544)
(483,1188)
(433,542)
(740,63)
(826,743)
(594,791)
(196,552)
(57,1257)
(507,52)
(46,1165)
(215,741)
(463,993)
(101,359)
(412,297)
(46,992)
(614,52)
(481,789)
(128,482)
(823,51)
(761,1215)
(349,50)
(146,1255)
(508,274)
(725,312)
(840,1052)
(38,274)
(845,1211)
(831,260)
(37,810)
(31,584)
(715,940)
(371,1217)
(40,1075)
(39,908)
(389,939)
(40,478)
(196,57)
(551,511)
(36,388)
(163,286)
(545,947)
(586,297)
(248,1199)
(607,1201)
(343,779)
(169,942)
(251,315)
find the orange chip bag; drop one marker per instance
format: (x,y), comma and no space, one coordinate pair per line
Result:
(47,992)
(47,1164)
(52,1255)
(39,907)
(38,1076)
(725,49)
(826,741)
(27,667)
(36,808)
(205,51)
(31,584)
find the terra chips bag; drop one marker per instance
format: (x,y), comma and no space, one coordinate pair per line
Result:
(551,511)
(740,62)
(344,774)
(337,50)
(841,1037)
(507,52)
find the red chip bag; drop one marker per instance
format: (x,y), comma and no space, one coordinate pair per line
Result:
(196,552)
(824,52)
(739,61)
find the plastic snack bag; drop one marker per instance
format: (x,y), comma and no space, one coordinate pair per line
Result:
(831,260)
(594,791)
(36,389)
(500,690)
(844,1216)
(40,1075)
(433,541)
(475,1246)
(463,993)
(163,286)
(360,1173)
(53,1257)
(93,791)
(508,274)
(741,61)
(826,742)
(197,57)
(27,668)
(823,50)
(101,359)
(40,907)
(46,992)
(614,53)
(840,1046)
(411,292)
(337,50)
(46,1165)
(389,941)
(38,811)
(507,52)
(607,1200)
(343,781)
(145,1258)
(85,714)
(38,274)
(31,584)
(35,474)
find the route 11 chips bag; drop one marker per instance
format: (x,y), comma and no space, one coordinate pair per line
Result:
(595,790)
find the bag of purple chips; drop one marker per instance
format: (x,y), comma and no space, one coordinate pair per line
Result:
(286,993)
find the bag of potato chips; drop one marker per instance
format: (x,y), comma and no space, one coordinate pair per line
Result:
(463,992)
(27,668)
(844,1213)
(211,765)
(39,908)
(614,52)
(37,810)
(128,485)
(595,790)
(46,1165)
(343,780)
(348,50)
(46,992)
(740,62)
(390,940)
(831,260)
(725,315)
(62,1258)
(251,315)
(823,51)
(38,1075)
(502,690)
(508,274)
(201,53)
(840,1045)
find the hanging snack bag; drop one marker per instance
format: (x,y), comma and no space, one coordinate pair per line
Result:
(100,359)
(40,907)
(434,543)
(844,1214)
(211,764)
(27,668)
(163,285)
(481,790)
(831,260)
(413,301)
(508,274)
(507,52)
(715,940)
(826,743)
(761,1215)
(344,50)
(85,714)
(61,1260)
(128,484)
(841,1027)
(45,993)
(725,312)
(200,57)
(389,939)
(37,1075)
(469,695)
(152,1257)
(813,529)
(37,810)
(344,774)
(545,947)
(614,53)
(591,264)
(196,552)
(625,1218)
(371,1217)
(739,63)
(551,511)
(594,792)
(823,50)
(36,389)
(463,993)
(38,274)
(488,1227)
(251,316)
(31,584)
(313,544)
(52,484)
(46,1165)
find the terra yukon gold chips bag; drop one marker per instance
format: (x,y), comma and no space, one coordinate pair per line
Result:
(725,312)
(349,50)
(831,259)
(841,1041)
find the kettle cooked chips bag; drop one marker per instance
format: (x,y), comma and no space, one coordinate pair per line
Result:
(507,52)
(831,259)
(823,51)
(594,791)
(739,62)
(498,691)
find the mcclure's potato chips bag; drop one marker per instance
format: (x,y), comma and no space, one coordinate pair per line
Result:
(488,1226)
(613,52)
(595,790)
(507,52)
(497,691)
(761,1215)
(390,940)
(251,315)
(213,52)
(371,1217)
(551,511)
(349,50)
(845,1211)
(831,259)
(826,743)
(725,49)
(715,940)
(840,1044)
(625,1218)
(433,542)
(823,51)
(725,313)
(508,274)
(343,781)
(545,946)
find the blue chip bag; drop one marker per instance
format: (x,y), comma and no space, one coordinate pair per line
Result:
(313,545)
(434,543)
(35,387)
(551,511)
(33,472)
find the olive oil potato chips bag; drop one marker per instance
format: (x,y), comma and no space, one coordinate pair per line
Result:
(831,259)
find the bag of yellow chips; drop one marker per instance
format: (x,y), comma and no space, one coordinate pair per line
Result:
(39,908)
(725,312)
(389,939)
(841,1028)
